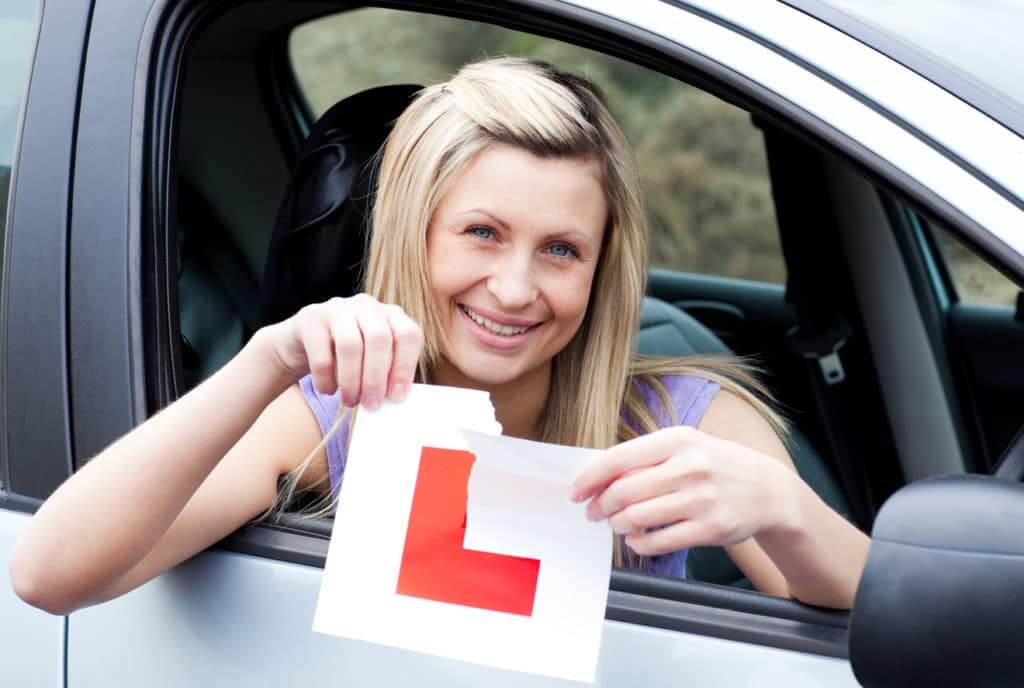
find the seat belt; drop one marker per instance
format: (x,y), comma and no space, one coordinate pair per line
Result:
(820,348)
(812,254)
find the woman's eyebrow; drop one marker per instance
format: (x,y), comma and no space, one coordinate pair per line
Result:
(573,235)
(497,220)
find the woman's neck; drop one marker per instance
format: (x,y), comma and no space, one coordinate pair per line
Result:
(518,404)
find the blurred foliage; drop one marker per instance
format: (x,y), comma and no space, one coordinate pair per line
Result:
(976,281)
(702,160)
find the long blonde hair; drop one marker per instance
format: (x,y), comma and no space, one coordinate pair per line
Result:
(598,382)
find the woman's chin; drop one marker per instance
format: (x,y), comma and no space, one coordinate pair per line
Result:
(487,376)
(486,371)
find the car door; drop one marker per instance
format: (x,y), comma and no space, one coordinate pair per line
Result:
(40,55)
(240,614)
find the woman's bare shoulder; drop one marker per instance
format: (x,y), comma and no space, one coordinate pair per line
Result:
(290,427)
(730,417)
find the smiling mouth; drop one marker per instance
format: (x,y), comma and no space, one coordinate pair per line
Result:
(495,327)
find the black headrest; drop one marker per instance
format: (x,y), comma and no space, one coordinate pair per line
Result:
(319,240)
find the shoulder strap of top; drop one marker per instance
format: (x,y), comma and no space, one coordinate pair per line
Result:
(325,408)
(690,396)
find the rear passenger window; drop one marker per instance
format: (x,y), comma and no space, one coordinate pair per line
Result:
(975,280)
(18,20)
(17,36)
(703,161)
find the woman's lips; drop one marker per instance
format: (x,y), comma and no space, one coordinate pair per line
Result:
(493,340)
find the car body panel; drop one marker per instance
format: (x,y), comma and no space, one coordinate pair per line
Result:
(31,641)
(236,620)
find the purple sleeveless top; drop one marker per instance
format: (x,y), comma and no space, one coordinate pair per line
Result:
(690,397)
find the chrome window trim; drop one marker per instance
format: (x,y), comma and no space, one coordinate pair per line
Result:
(810,91)
(968,133)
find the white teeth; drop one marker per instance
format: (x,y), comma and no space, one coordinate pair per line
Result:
(492,326)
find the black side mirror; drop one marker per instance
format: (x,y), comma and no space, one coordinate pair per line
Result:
(941,600)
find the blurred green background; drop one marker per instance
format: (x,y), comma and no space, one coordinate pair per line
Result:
(701,159)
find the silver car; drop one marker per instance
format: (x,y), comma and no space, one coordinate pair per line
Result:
(836,187)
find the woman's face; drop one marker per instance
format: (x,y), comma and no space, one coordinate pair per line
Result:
(512,250)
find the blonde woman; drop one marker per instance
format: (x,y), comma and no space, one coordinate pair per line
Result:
(508,253)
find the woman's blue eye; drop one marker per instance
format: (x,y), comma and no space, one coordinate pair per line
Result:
(482,232)
(562,250)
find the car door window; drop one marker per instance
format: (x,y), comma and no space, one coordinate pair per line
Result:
(18,20)
(702,159)
(17,36)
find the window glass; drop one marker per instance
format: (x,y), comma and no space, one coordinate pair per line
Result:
(975,280)
(702,160)
(17,38)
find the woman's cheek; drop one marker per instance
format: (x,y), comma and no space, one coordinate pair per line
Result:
(570,297)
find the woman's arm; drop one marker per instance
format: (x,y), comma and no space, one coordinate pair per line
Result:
(101,523)
(729,483)
(806,550)
(210,461)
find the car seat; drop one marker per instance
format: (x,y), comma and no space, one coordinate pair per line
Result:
(218,297)
(316,245)
(319,239)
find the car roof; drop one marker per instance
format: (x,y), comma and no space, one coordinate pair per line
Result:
(971,49)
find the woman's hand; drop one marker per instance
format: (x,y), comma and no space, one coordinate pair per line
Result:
(365,348)
(679,487)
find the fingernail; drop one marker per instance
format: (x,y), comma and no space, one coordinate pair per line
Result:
(593,513)
(398,391)
(371,403)
(575,495)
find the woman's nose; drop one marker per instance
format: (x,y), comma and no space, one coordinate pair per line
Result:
(512,283)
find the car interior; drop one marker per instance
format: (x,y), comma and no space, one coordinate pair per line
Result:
(884,375)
